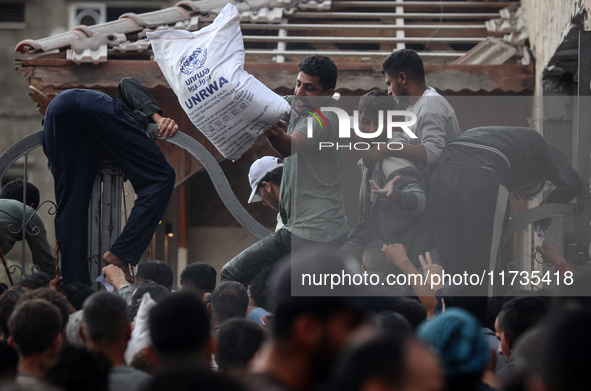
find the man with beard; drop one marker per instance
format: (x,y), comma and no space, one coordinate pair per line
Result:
(310,200)
(404,75)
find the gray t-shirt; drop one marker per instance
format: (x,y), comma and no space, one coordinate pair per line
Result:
(436,123)
(311,203)
(123,378)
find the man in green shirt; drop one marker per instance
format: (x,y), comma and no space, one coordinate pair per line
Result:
(11,224)
(310,201)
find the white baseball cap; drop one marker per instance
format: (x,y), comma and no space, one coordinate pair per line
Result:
(258,170)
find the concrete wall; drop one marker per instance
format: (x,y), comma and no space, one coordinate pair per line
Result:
(548,23)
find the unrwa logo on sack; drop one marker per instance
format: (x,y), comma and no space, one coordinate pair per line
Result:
(194,61)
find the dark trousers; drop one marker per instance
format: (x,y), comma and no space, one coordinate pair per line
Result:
(469,209)
(268,251)
(81,129)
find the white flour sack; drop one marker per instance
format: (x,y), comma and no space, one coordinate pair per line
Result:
(205,69)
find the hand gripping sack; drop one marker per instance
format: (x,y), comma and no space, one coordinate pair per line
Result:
(205,69)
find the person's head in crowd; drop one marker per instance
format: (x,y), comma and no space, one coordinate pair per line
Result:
(13,190)
(389,361)
(527,349)
(315,83)
(563,362)
(265,181)
(105,327)
(77,292)
(157,271)
(54,297)
(199,276)
(311,331)
(192,379)
(179,329)
(238,342)
(229,300)
(411,309)
(8,301)
(157,293)
(372,110)
(516,317)
(524,358)
(36,334)
(392,321)
(77,369)
(404,75)
(475,305)
(457,337)
(575,295)
(259,288)
(35,281)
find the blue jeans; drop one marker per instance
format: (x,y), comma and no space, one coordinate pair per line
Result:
(81,129)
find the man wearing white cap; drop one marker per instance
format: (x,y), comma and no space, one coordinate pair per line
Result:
(265,180)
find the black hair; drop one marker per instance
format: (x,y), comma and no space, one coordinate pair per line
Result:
(3,287)
(179,325)
(493,308)
(54,297)
(259,287)
(8,301)
(157,271)
(77,292)
(238,341)
(323,67)
(34,325)
(229,300)
(563,362)
(105,317)
(323,308)
(475,305)
(157,293)
(200,276)
(35,281)
(381,357)
(411,309)
(192,379)
(273,176)
(8,361)
(79,369)
(407,61)
(392,321)
(520,314)
(374,101)
(13,190)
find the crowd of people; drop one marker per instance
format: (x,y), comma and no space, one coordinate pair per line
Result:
(436,205)
(229,337)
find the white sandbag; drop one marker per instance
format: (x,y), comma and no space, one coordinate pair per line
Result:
(205,69)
